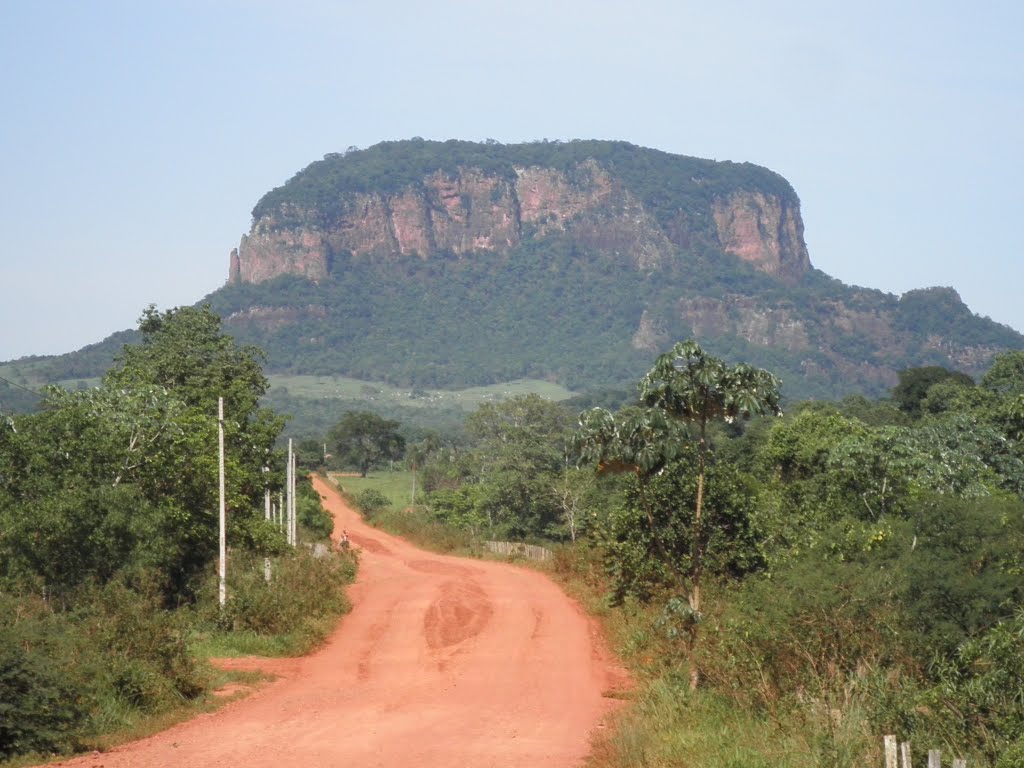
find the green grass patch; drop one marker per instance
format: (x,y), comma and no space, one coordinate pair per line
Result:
(670,726)
(213,645)
(413,524)
(344,388)
(396,485)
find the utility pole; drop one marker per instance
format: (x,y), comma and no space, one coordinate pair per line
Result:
(222,569)
(266,516)
(290,504)
(295,501)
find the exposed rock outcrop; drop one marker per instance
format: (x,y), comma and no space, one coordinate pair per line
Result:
(747,318)
(764,230)
(470,210)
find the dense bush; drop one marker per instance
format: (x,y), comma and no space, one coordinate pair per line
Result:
(67,676)
(41,703)
(371,502)
(303,590)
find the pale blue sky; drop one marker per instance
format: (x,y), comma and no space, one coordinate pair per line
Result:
(137,136)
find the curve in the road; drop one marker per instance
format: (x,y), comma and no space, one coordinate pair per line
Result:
(442,662)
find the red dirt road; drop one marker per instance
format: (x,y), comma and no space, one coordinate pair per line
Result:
(442,662)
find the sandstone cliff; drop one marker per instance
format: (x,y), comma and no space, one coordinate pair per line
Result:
(454,264)
(464,209)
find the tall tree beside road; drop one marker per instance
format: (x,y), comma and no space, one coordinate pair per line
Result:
(362,439)
(685,386)
(125,474)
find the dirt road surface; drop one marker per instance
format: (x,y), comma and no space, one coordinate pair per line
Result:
(442,662)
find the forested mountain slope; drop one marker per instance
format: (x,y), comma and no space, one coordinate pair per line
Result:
(450,264)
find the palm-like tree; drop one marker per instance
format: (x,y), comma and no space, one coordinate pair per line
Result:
(686,386)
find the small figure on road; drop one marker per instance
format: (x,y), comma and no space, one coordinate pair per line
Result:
(344,542)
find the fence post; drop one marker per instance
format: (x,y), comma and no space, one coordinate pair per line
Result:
(905,754)
(934,758)
(890,751)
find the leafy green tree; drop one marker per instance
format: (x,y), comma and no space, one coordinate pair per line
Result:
(309,454)
(185,352)
(1006,376)
(648,538)
(914,384)
(520,447)
(696,388)
(962,569)
(463,507)
(688,387)
(362,439)
(125,475)
(91,486)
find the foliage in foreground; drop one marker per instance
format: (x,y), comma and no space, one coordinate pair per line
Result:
(108,514)
(861,567)
(70,678)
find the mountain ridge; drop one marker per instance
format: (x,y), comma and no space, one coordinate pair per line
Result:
(455,264)
(460,198)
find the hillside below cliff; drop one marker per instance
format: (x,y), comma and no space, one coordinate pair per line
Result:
(446,264)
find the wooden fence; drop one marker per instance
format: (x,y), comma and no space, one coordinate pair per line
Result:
(515,549)
(934,756)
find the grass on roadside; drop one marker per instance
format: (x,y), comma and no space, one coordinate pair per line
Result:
(664,724)
(412,523)
(396,485)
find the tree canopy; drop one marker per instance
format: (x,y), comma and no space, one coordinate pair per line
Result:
(124,475)
(363,440)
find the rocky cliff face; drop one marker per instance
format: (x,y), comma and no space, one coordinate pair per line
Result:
(473,211)
(765,230)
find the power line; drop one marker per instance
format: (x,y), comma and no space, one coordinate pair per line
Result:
(26,389)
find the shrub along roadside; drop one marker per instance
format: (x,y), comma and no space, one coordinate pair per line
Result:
(290,615)
(120,664)
(68,677)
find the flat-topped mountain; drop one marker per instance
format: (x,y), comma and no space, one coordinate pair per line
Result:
(427,199)
(451,264)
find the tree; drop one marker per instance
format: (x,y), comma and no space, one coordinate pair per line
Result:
(644,558)
(1006,376)
(125,474)
(914,384)
(520,449)
(185,352)
(569,492)
(417,454)
(688,387)
(362,439)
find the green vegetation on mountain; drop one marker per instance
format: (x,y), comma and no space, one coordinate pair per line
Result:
(546,313)
(664,182)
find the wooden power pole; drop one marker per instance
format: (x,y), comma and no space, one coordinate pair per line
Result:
(222,569)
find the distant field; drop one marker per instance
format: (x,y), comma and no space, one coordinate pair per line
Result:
(396,486)
(26,374)
(342,388)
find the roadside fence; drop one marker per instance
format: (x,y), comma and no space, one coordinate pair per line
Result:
(516,549)
(903,753)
